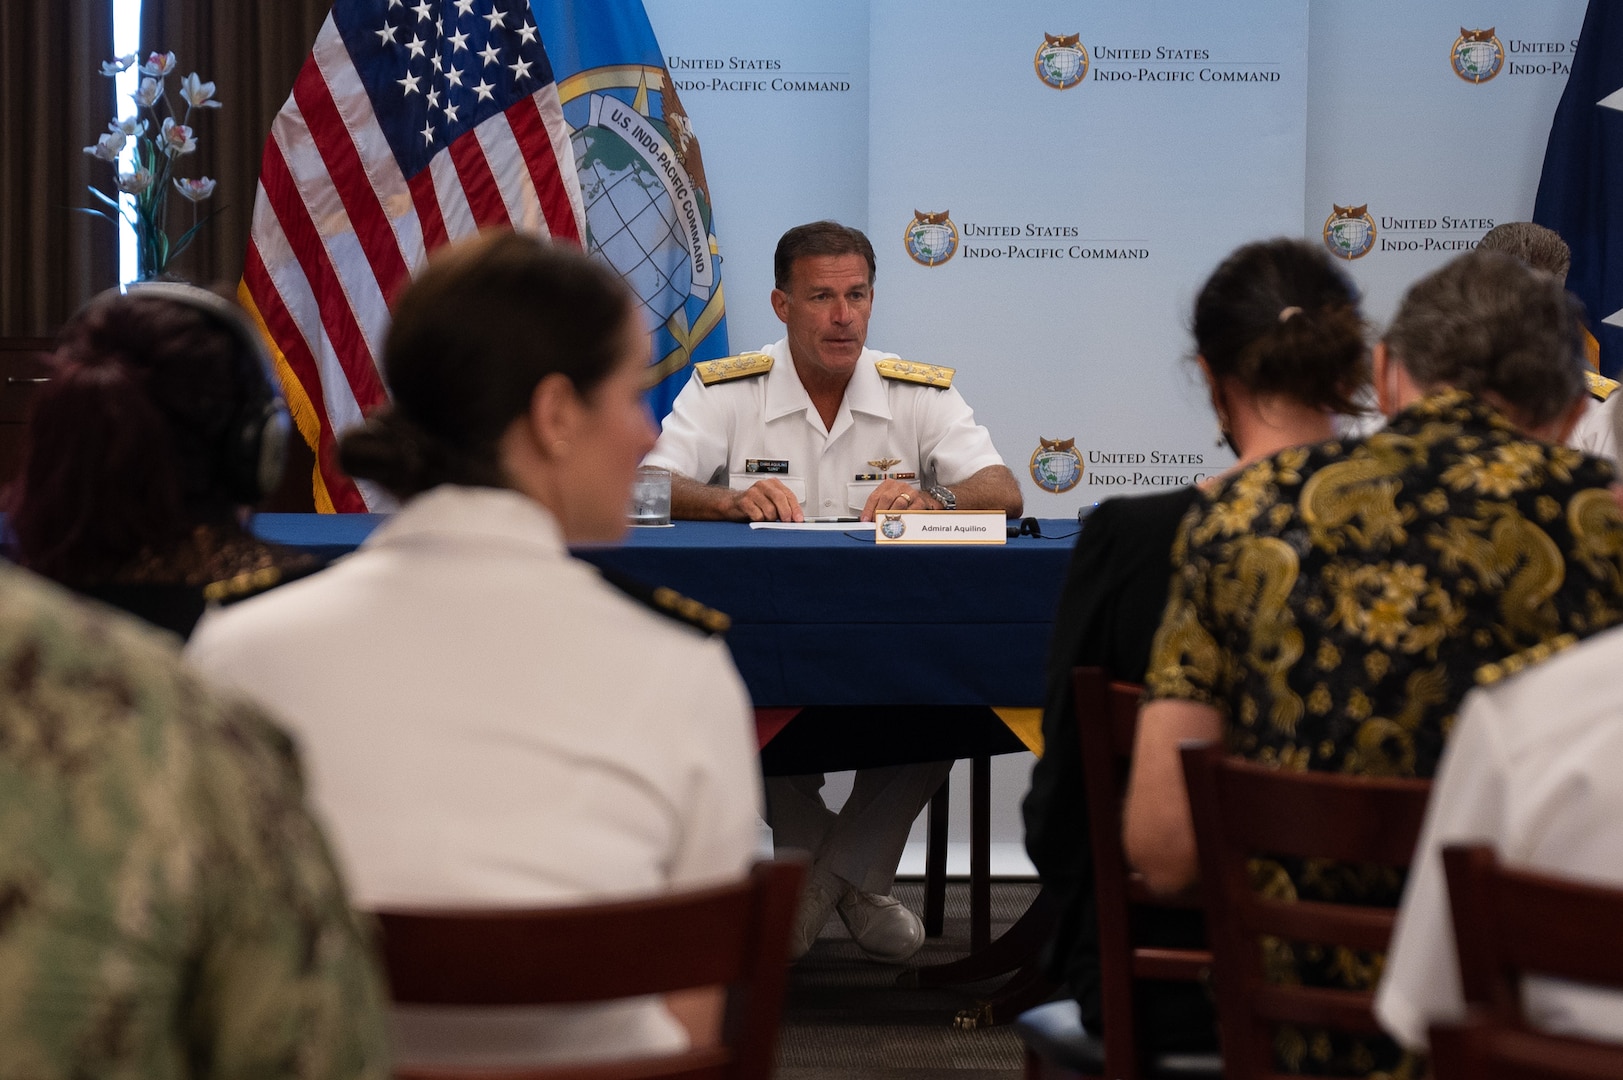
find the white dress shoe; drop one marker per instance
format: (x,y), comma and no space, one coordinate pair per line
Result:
(823,891)
(883,927)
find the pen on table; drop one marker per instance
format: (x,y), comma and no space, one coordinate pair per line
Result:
(826,520)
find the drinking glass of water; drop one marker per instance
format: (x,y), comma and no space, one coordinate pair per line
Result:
(651,496)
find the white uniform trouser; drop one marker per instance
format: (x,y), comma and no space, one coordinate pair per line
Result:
(863,842)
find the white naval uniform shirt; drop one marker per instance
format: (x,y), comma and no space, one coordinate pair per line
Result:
(1596,431)
(1534,766)
(485,722)
(928,431)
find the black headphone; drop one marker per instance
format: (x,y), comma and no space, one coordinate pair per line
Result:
(257,433)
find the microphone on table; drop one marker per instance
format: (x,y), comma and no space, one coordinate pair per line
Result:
(1027,527)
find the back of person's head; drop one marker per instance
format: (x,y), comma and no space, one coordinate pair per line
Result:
(1281,318)
(818,238)
(159,415)
(1538,247)
(471,339)
(1489,324)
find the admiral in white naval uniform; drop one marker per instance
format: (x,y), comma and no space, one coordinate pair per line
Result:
(818,425)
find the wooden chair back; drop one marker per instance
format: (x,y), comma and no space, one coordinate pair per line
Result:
(1244,811)
(1485,1049)
(1107,716)
(1509,923)
(736,936)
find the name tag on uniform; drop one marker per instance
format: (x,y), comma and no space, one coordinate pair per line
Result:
(771,466)
(942,527)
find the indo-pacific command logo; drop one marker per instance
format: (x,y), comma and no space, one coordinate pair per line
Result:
(931,239)
(1057,465)
(1061,61)
(647,202)
(1349,231)
(892,526)
(1478,55)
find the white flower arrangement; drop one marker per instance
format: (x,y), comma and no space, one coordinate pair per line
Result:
(159,140)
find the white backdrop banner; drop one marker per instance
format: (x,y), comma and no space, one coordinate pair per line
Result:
(1047,183)
(1432,118)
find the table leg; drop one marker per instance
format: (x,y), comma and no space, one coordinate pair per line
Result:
(935,861)
(1017,947)
(980,853)
(1026,988)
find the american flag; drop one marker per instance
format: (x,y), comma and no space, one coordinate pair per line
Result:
(410,125)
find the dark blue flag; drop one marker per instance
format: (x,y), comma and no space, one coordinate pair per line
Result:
(1580,194)
(641,178)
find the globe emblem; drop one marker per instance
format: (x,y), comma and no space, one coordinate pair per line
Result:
(893,528)
(1061,67)
(1349,234)
(631,223)
(1476,60)
(931,239)
(1057,471)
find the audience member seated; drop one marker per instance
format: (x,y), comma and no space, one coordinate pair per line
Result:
(1280,343)
(1534,766)
(169,905)
(160,424)
(1331,604)
(1543,249)
(488,722)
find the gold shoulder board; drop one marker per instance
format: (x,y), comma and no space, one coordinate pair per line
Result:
(241,587)
(907,371)
(1600,387)
(728,368)
(690,611)
(1515,663)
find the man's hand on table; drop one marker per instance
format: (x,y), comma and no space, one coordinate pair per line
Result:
(765,500)
(894,496)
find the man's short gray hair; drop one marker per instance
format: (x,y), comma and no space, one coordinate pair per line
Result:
(1487,323)
(1538,247)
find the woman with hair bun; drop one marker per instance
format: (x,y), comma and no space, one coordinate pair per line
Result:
(486,720)
(159,425)
(1332,604)
(1280,344)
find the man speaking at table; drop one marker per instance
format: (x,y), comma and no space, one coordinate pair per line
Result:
(818,425)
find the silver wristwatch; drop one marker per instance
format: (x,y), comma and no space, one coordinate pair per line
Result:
(944,496)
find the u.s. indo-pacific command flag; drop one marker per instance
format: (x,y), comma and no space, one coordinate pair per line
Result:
(641,178)
(1580,194)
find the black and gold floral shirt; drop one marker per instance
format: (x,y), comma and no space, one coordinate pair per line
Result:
(1335,602)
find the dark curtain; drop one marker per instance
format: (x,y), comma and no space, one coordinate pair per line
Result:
(252,51)
(54,101)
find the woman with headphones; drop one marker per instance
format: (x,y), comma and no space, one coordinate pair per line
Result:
(160,424)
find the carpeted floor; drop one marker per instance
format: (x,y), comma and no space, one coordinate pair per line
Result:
(847,1019)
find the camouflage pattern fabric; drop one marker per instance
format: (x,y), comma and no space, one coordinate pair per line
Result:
(168,908)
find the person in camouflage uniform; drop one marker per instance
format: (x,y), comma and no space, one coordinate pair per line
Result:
(168,908)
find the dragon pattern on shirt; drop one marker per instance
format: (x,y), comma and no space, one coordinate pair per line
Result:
(1334,603)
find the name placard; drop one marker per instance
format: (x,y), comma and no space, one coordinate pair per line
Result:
(941,527)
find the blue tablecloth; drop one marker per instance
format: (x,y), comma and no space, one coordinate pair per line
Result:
(830,618)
